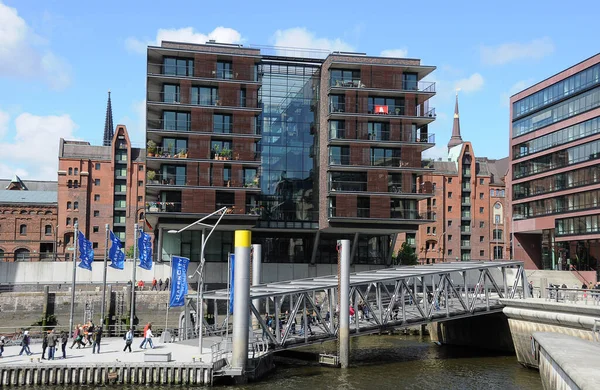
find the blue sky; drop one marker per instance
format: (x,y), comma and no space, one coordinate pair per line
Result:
(58,59)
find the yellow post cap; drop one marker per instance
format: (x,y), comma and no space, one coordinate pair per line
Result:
(243,238)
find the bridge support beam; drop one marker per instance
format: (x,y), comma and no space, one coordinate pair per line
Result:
(344,298)
(256,277)
(241,299)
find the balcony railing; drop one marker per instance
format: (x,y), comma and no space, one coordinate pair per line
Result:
(466,173)
(174,125)
(417,86)
(240,73)
(394,214)
(465,244)
(465,229)
(202,181)
(465,215)
(466,187)
(391,162)
(465,201)
(418,111)
(362,186)
(168,153)
(163,207)
(180,98)
(343,134)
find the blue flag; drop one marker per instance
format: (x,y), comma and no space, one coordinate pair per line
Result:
(145,251)
(179,285)
(86,252)
(231,279)
(116,255)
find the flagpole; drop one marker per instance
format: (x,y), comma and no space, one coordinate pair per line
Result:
(169,295)
(75,237)
(102,318)
(135,238)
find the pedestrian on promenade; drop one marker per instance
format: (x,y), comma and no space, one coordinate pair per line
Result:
(149,336)
(51,344)
(140,285)
(154,285)
(2,342)
(143,343)
(97,338)
(128,340)
(160,284)
(167,280)
(531,289)
(75,335)
(64,339)
(44,344)
(91,328)
(25,344)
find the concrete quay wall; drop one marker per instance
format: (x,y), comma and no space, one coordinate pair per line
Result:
(526,317)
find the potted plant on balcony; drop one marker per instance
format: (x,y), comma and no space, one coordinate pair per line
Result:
(216,151)
(150,175)
(183,153)
(151,148)
(226,154)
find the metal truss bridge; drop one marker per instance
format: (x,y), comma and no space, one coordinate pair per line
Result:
(382,300)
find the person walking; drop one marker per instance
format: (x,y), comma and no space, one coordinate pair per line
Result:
(167,280)
(149,336)
(64,339)
(143,343)
(75,335)
(2,342)
(44,344)
(25,344)
(97,338)
(160,284)
(128,340)
(51,344)
(154,285)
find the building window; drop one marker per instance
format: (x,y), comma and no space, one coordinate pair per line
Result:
(140,168)
(481,253)
(481,181)
(449,180)
(75,205)
(224,70)
(497,253)
(95,245)
(96,182)
(95,229)
(96,197)
(222,123)
(502,193)
(449,223)
(428,229)
(481,224)
(491,192)
(75,221)
(48,230)
(76,184)
(481,195)
(204,96)
(70,184)
(497,219)
(449,208)
(23,230)
(178,66)
(68,221)
(449,195)
(434,216)
(96,213)
(176,121)
(97,167)
(497,234)
(449,252)
(70,171)
(69,205)
(140,198)
(480,238)
(481,210)
(434,230)
(433,202)
(449,237)
(76,171)
(140,183)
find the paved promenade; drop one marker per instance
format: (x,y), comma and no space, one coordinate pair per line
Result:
(111,351)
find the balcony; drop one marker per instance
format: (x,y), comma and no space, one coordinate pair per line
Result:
(381,136)
(199,180)
(465,244)
(163,207)
(420,111)
(466,187)
(186,126)
(409,86)
(466,173)
(465,215)
(362,186)
(239,73)
(365,213)
(160,152)
(465,229)
(465,202)
(195,100)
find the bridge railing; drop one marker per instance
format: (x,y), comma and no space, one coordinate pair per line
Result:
(573,295)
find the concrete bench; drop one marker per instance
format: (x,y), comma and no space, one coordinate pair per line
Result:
(157,357)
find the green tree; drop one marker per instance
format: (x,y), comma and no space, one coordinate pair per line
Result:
(129,252)
(406,255)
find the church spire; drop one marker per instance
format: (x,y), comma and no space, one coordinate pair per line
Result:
(108,124)
(456,139)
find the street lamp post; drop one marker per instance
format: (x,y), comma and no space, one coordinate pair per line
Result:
(200,269)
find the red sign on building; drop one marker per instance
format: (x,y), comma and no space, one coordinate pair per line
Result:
(381,109)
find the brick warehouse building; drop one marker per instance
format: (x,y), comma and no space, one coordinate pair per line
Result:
(471,220)
(554,174)
(28,219)
(302,150)
(99,185)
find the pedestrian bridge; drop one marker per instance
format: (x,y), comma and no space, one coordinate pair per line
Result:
(382,300)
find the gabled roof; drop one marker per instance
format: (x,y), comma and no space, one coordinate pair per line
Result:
(29,197)
(31,185)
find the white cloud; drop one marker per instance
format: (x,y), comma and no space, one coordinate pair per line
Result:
(136,124)
(4,118)
(472,83)
(34,148)
(26,55)
(514,51)
(516,87)
(437,152)
(398,53)
(300,37)
(186,34)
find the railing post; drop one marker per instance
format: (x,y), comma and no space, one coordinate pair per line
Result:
(241,300)
(344,291)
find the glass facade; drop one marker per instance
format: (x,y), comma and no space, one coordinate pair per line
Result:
(588,224)
(578,82)
(560,204)
(560,137)
(560,111)
(562,181)
(287,171)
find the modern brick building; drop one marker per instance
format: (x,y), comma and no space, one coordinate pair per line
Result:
(303,150)
(99,185)
(28,220)
(554,174)
(469,206)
